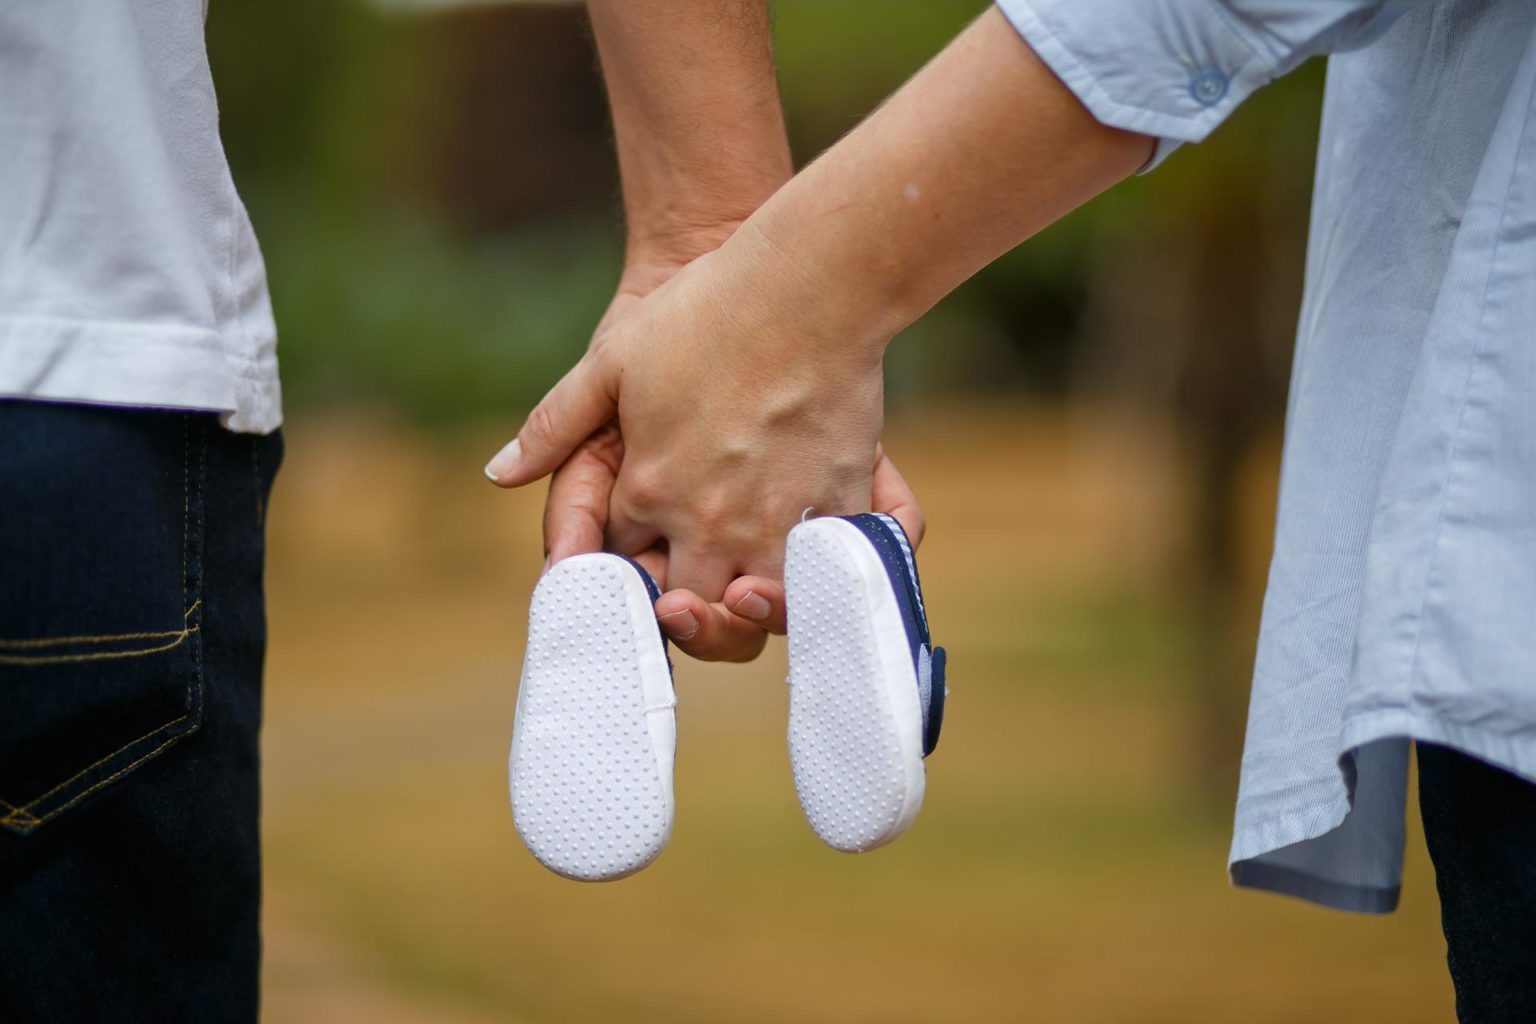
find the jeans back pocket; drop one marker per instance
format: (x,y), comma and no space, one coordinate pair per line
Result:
(101,527)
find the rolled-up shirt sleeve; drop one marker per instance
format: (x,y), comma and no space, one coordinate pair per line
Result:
(1175,69)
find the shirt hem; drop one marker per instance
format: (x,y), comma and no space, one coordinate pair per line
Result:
(1286,881)
(1256,839)
(164,366)
(1477,741)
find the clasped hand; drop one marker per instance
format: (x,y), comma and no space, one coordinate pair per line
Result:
(708,415)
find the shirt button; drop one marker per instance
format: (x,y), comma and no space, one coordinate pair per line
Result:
(1208,86)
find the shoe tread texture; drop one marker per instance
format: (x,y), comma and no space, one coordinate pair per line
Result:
(588,797)
(850,768)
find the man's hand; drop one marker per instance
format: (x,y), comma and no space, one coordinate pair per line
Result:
(700,139)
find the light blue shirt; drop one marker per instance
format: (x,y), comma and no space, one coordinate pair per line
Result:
(1402,592)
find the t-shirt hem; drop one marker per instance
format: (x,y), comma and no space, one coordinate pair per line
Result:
(167,366)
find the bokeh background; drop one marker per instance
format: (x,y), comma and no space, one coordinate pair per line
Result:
(1093,424)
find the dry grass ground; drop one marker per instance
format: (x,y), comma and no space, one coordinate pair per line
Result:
(1061,870)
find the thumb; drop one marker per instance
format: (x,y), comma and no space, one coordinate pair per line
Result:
(891,495)
(575,407)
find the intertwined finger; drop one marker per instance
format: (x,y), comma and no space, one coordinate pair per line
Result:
(707,631)
(759,600)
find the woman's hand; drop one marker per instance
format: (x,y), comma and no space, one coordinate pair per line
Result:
(719,456)
(748,386)
(731,629)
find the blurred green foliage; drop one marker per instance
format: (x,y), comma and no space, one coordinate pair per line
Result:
(389,290)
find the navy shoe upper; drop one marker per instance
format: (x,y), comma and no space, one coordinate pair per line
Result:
(655,592)
(890,541)
(650,584)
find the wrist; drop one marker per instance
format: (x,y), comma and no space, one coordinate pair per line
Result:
(806,265)
(673,218)
(697,123)
(658,245)
(796,312)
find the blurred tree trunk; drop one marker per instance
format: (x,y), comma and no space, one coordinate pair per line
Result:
(1190,318)
(517,124)
(1226,402)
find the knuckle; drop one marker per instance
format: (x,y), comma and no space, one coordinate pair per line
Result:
(719,526)
(540,430)
(731,526)
(645,489)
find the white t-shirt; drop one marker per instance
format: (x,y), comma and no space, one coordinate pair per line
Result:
(129,274)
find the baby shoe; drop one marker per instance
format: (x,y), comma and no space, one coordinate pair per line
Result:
(595,735)
(866,687)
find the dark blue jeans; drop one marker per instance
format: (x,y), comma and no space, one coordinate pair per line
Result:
(131,641)
(1480,825)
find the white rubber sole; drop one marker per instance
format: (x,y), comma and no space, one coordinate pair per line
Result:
(855,720)
(595,735)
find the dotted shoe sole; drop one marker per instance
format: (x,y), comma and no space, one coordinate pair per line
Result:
(595,734)
(856,717)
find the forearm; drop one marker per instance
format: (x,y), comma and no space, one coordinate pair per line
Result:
(696,116)
(981,149)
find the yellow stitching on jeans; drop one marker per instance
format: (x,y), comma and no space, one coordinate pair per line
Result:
(94,638)
(22,816)
(96,764)
(61,641)
(130,766)
(16,813)
(36,820)
(69,659)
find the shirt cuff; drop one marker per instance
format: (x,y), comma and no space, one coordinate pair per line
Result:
(1172,69)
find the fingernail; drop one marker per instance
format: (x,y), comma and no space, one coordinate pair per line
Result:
(754,606)
(504,461)
(680,625)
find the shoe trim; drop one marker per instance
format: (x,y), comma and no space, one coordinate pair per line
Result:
(895,550)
